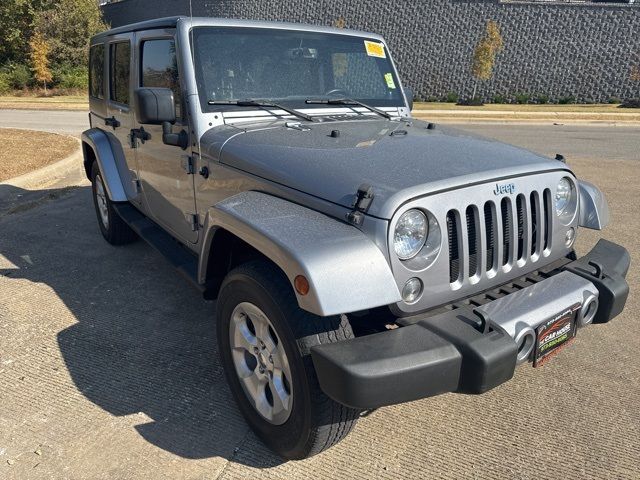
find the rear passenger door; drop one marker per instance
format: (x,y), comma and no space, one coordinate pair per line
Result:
(119,115)
(166,184)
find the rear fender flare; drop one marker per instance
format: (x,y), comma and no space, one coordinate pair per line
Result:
(108,153)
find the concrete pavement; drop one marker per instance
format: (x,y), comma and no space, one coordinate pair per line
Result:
(109,369)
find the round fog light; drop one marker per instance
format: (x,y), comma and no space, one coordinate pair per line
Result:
(412,290)
(570,237)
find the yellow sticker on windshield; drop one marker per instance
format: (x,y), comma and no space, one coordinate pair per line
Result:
(390,83)
(375,49)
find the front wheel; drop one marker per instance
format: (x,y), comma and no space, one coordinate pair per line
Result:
(264,340)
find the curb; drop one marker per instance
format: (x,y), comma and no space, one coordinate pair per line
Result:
(49,174)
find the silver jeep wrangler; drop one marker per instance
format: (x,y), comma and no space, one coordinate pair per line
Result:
(359,257)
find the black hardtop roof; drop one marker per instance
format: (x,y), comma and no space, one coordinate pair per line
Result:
(166,22)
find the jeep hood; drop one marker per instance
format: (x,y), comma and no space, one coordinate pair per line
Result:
(400,160)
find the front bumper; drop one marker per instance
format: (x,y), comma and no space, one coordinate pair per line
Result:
(471,349)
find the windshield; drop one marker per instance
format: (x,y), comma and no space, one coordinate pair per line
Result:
(290,67)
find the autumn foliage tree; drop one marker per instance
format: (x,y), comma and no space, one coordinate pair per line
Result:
(485,53)
(39,55)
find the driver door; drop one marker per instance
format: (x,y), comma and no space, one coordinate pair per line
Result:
(167,186)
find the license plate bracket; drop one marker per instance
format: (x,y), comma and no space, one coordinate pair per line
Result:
(554,334)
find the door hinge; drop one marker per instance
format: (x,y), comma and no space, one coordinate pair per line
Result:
(194,221)
(189,164)
(138,186)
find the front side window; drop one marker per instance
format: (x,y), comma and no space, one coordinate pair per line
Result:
(291,66)
(159,67)
(120,72)
(96,71)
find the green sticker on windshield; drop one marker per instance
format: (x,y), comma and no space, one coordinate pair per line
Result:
(390,83)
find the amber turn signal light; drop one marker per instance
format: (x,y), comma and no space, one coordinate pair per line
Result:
(301,284)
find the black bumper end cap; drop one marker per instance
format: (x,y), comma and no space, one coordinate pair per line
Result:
(606,266)
(446,353)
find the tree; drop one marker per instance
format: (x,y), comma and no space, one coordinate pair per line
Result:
(67,26)
(484,55)
(40,59)
(16,18)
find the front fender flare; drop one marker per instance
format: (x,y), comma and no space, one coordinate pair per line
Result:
(594,209)
(346,270)
(109,157)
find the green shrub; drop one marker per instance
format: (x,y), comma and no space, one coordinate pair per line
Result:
(522,98)
(567,100)
(18,75)
(542,99)
(68,77)
(499,98)
(614,100)
(431,99)
(451,97)
(5,84)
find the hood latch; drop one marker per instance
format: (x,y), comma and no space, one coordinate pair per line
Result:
(362,202)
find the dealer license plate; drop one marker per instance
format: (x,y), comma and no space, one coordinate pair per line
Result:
(555,334)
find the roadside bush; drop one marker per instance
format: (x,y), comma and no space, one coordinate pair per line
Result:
(5,85)
(471,102)
(542,99)
(18,75)
(67,77)
(614,100)
(451,97)
(631,103)
(567,100)
(522,98)
(431,99)
(499,98)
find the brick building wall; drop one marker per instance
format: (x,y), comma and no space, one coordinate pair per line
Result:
(559,50)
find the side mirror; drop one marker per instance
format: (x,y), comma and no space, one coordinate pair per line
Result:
(154,106)
(408,93)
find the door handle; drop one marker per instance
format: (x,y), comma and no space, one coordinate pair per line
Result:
(112,122)
(138,134)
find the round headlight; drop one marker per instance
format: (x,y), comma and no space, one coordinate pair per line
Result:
(564,196)
(410,234)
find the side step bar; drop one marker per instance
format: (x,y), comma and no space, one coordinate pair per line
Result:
(179,256)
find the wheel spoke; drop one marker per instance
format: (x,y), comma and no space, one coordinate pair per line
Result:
(281,399)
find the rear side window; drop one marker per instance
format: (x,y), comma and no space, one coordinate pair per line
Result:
(120,72)
(96,71)
(159,67)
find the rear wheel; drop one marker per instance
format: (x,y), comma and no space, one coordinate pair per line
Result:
(113,228)
(264,340)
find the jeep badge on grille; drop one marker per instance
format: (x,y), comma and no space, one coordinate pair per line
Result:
(504,188)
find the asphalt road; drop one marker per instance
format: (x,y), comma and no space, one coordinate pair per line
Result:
(57,121)
(109,369)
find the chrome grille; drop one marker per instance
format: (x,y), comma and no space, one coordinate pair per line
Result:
(483,238)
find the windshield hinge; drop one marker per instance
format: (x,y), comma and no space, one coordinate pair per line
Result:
(361,204)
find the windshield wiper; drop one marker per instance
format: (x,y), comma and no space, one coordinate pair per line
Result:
(348,101)
(263,104)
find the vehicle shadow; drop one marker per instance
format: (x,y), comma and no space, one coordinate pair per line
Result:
(143,340)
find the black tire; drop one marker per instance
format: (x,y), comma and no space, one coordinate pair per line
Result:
(114,229)
(316,422)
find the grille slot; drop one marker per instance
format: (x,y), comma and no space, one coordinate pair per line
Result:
(473,239)
(495,235)
(505,206)
(454,250)
(490,228)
